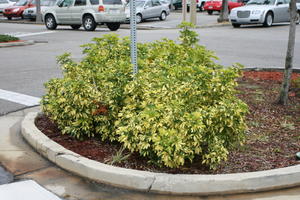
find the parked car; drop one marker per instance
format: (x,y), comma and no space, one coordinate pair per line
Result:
(30,13)
(5,4)
(216,5)
(146,9)
(88,13)
(199,4)
(264,12)
(17,9)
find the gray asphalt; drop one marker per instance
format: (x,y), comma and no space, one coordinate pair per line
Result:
(25,69)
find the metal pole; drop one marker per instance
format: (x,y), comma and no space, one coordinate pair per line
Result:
(183,10)
(133,49)
(193,12)
(38,11)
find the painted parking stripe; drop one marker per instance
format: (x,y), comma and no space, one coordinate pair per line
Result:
(31,34)
(19,98)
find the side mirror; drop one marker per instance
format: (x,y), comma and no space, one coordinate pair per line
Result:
(146,7)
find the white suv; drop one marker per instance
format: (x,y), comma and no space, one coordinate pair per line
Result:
(88,13)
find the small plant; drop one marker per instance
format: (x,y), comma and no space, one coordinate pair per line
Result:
(8,38)
(118,158)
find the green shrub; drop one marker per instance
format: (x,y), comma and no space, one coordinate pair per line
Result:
(180,105)
(8,38)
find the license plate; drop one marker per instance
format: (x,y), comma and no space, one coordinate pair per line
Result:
(210,7)
(114,11)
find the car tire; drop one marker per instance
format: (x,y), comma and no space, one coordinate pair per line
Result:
(75,26)
(50,22)
(113,26)
(163,16)
(236,25)
(9,18)
(210,12)
(89,23)
(201,8)
(139,18)
(268,20)
(298,18)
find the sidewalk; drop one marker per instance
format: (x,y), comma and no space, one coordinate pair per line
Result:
(18,158)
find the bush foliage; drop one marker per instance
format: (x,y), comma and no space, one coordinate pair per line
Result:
(180,105)
(8,38)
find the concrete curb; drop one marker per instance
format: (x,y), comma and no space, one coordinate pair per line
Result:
(15,44)
(158,182)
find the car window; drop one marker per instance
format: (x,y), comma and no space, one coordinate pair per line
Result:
(155,3)
(280,2)
(80,3)
(65,3)
(112,2)
(286,1)
(48,3)
(149,4)
(94,2)
(235,1)
(261,2)
(3,1)
(21,3)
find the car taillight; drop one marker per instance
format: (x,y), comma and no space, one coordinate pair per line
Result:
(101,9)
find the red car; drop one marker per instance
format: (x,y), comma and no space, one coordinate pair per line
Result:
(17,9)
(216,5)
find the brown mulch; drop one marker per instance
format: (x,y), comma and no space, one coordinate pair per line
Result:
(273,135)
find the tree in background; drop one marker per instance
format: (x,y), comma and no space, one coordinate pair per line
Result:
(224,12)
(294,15)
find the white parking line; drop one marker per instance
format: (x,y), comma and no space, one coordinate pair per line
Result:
(19,98)
(31,34)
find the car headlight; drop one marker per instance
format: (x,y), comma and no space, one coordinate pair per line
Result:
(16,9)
(256,12)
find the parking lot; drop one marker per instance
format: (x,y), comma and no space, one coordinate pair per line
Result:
(25,69)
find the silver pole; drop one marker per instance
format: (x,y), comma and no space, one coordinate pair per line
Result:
(133,49)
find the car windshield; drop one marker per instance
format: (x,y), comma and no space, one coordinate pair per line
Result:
(138,4)
(21,3)
(261,2)
(3,1)
(112,2)
(47,3)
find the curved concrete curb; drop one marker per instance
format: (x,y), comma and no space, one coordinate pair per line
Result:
(14,44)
(158,182)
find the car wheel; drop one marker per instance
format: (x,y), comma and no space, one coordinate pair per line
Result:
(9,18)
(298,18)
(139,18)
(201,8)
(268,20)
(163,16)
(75,26)
(236,25)
(113,26)
(210,12)
(50,22)
(89,23)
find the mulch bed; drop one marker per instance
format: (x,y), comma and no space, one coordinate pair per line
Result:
(273,136)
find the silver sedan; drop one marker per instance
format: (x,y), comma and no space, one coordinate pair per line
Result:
(146,9)
(264,12)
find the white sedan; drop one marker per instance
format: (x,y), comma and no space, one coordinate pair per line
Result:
(264,12)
